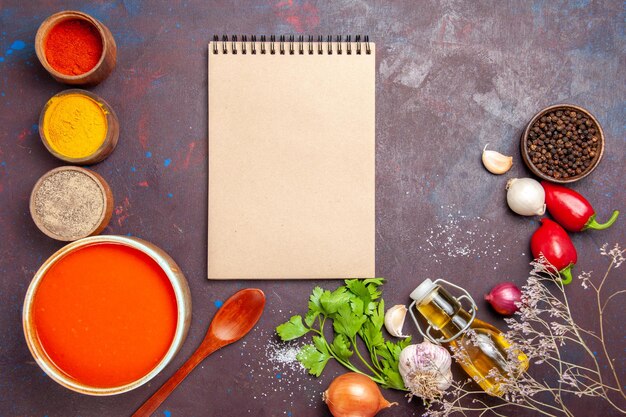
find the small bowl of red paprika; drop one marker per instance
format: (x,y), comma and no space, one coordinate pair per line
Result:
(75,48)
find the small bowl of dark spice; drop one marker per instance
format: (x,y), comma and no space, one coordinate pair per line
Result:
(562,143)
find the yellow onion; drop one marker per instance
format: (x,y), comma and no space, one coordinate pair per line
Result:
(354,395)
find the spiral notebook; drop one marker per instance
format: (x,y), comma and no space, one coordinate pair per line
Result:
(291,158)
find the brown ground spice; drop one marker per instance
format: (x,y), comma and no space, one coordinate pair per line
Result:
(69,204)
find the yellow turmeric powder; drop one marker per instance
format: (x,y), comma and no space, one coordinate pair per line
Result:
(74,125)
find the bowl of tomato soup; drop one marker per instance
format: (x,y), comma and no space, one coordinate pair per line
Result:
(105,314)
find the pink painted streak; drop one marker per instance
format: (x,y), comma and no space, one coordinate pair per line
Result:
(143,130)
(191,147)
(121,211)
(303,17)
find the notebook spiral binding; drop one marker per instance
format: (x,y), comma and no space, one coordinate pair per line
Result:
(291,44)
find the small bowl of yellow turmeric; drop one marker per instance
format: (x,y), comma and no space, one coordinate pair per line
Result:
(78,127)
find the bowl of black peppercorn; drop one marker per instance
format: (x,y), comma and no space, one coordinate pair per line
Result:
(562,143)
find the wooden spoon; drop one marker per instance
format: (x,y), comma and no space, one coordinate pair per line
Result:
(232,321)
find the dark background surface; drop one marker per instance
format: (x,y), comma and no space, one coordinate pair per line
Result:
(451,76)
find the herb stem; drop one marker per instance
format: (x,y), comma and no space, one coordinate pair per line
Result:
(373,355)
(356,349)
(378,379)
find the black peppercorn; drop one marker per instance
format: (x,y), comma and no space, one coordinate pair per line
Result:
(563,143)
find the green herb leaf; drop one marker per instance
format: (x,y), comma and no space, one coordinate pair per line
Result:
(320,344)
(384,353)
(346,322)
(389,353)
(372,285)
(312,359)
(377,316)
(376,282)
(310,317)
(371,306)
(292,329)
(356,304)
(353,310)
(392,377)
(332,301)
(371,335)
(314,301)
(358,288)
(404,343)
(341,347)
(315,306)
(396,348)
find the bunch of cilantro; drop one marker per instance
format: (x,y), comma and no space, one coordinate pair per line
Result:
(355,311)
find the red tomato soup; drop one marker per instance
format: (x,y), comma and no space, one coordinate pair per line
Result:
(105,314)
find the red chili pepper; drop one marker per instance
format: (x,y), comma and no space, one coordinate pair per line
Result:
(571,210)
(552,241)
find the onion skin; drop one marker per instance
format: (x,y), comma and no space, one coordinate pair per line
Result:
(503,297)
(354,395)
(526,197)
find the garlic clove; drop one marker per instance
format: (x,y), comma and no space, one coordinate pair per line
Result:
(394,320)
(495,162)
(444,381)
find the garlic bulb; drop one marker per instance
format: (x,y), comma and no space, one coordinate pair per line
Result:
(394,320)
(526,196)
(425,369)
(495,162)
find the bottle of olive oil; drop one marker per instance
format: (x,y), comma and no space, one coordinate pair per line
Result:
(484,350)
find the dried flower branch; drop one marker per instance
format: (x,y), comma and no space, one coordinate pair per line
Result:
(542,327)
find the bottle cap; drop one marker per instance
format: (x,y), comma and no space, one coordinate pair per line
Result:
(422,290)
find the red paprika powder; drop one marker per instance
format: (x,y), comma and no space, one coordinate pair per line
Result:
(73,47)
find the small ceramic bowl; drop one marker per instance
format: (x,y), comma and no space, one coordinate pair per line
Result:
(181,293)
(112,130)
(100,71)
(563,107)
(55,205)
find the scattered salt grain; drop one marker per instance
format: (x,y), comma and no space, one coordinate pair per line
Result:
(280,371)
(463,236)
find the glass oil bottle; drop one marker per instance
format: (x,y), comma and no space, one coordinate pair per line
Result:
(484,351)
